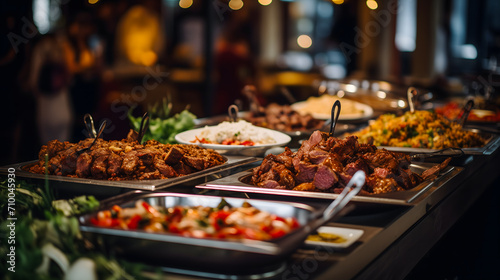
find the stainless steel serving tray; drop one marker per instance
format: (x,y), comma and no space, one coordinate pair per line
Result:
(108,188)
(236,182)
(490,147)
(166,249)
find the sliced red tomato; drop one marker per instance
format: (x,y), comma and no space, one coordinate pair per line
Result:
(134,221)
(276,233)
(175,215)
(229,232)
(150,209)
(292,222)
(278,218)
(247,143)
(105,222)
(218,219)
(228,141)
(173,228)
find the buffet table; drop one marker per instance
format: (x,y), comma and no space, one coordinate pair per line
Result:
(398,229)
(395,237)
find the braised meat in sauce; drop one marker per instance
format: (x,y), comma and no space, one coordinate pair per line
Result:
(326,164)
(126,159)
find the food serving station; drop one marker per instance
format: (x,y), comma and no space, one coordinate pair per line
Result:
(380,235)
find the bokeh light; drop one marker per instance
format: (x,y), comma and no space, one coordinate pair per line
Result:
(185,3)
(235,4)
(372,4)
(304,41)
(265,2)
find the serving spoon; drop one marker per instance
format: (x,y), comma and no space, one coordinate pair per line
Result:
(233,111)
(335,116)
(412,93)
(89,125)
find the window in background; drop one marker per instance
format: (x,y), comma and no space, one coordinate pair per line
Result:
(307,43)
(406,32)
(46,13)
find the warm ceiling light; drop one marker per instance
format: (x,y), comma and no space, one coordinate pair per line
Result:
(338,2)
(372,4)
(265,2)
(93,1)
(304,41)
(185,3)
(235,4)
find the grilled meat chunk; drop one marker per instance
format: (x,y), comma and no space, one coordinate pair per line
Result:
(327,164)
(125,159)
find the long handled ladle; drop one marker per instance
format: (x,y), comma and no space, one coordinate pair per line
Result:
(101,128)
(412,93)
(335,116)
(232,112)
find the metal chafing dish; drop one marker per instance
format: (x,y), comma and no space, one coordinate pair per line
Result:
(239,183)
(108,188)
(493,142)
(209,253)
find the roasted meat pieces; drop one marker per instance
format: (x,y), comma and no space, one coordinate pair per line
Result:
(124,160)
(283,118)
(326,164)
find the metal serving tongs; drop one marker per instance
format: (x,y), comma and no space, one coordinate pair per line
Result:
(335,116)
(465,112)
(89,125)
(358,179)
(144,127)
(335,209)
(447,152)
(101,128)
(232,112)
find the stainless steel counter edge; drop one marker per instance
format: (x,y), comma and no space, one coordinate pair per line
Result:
(418,229)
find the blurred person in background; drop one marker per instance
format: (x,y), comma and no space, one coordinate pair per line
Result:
(234,64)
(49,81)
(84,55)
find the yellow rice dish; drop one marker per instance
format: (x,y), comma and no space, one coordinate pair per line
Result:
(421,129)
(322,105)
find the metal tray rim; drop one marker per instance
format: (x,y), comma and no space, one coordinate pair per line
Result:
(487,149)
(151,185)
(269,247)
(232,183)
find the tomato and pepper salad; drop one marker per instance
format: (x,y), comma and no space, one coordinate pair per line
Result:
(221,222)
(234,133)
